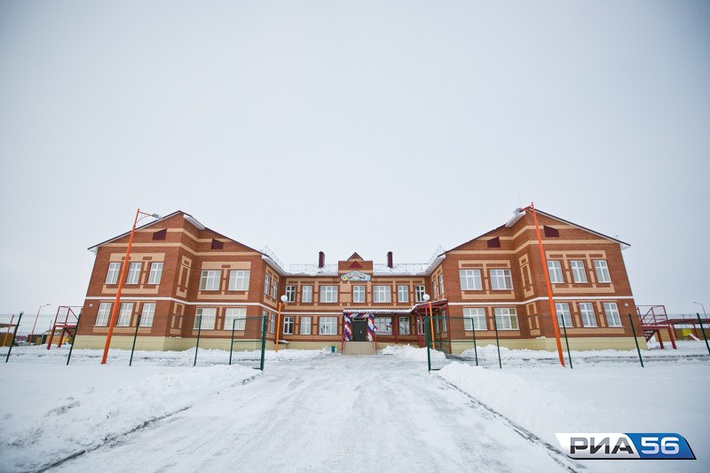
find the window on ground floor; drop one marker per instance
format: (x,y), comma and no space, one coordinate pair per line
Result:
(586,310)
(103,314)
(419,292)
(305,325)
(474,318)
(235,318)
(288,326)
(328,326)
(563,314)
(205,318)
(404,326)
(124,316)
(147,314)
(506,318)
(383,325)
(613,319)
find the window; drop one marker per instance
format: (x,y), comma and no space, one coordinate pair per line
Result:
(147,314)
(290,293)
(435,286)
(103,314)
(494,242)
(383,325)
(358,293)
(579,274)
(267,284)
(419,292)
(236,316)
(274,288)
(307,294)
(474,319)
(156,272)
(305,325)
(112,274)
(209,281)
(288,326)
(551,232)
(404,326)
(586,310)
(563,314)
(124,316)
(381,294)
(160,234)
(272,321)
(441,284)
(204,318)
(470,279)
(239,280)
(217,245)
(602,270)
(134,272)
(554,269)
(612,314)
(500,279)
(329,293)
(328,325)
(402,293)
(506,318)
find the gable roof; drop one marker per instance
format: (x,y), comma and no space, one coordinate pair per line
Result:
(520,213)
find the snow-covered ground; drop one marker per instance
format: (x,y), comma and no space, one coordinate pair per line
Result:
(314,411)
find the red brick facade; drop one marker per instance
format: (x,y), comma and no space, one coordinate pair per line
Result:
(180,270)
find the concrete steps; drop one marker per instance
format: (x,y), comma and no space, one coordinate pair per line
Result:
(359,348)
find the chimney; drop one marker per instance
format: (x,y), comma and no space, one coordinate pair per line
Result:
(321,259)
(389,259)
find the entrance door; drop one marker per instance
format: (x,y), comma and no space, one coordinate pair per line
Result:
(359,330)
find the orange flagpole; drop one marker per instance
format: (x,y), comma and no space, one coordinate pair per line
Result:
(548,285)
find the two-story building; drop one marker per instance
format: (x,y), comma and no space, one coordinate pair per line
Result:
(183,277)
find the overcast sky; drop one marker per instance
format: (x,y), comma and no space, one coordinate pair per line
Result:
(347,126)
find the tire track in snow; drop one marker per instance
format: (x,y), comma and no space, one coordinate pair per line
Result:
(557,455)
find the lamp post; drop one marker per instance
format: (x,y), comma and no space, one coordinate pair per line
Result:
(282,303)
(34,326)
(121,279)
(701,305)
(427,299)
(548,285)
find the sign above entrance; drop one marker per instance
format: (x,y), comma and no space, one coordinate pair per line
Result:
(355,276)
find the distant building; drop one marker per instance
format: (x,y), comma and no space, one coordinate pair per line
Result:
(182,274)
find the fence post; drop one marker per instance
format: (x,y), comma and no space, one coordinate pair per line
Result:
(231,343)
(135,335)
(197,343)
(495,325)
(428,345)
(703,330)
(633,330)
(71,348)
(263,341)
(475,349)
(564,330)
(14,336)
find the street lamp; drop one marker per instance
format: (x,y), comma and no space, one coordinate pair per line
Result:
(701,305)
(35,324)
(284,300)
(427,298)
(121,279)
(548,284)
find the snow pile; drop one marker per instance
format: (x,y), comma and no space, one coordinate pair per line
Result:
(410,353)
(101,410)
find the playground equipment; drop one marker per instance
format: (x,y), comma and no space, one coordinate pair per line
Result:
(65,323)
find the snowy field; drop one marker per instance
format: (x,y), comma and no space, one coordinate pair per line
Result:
(312,411)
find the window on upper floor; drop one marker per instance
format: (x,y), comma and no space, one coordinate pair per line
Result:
(209,280)
(274,288)
(602,270)
(470,279)
(328,294)
(551,232)
(156,272)
(306,294)
(290,293)
(554,269)
(113,271)
(501,279)
(134,272)
(419,292)
(441,284)
(160,234)
(239,280)
(381,294)
(402,293)
(359,294)
(267,284)
(579,273)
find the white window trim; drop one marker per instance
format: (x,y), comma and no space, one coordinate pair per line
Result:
(402,293)
(504,320)
(381,294)
(103,315)
(601,268)
(474,318)
(579,271)
(236,314)
(210,278)
(359,294)
(239,280)
(133,274)
(554,270)
(585,314)
(305,323)
(113,272)
(307,291)
(327,326)
(501,275)
(147,314)
(328,294)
